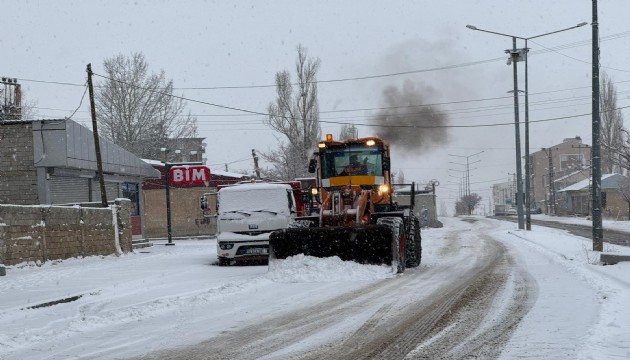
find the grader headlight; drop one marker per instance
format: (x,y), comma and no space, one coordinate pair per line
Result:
(383,189)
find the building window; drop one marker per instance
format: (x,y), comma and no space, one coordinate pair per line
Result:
(571,161)
(130,191)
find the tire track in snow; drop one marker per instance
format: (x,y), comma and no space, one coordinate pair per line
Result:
(443,309)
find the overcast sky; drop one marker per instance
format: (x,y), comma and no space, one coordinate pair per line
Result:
(205,44)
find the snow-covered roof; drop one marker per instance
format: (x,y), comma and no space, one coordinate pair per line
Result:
(228,174)
(568,175)
(609,181)
(153,162)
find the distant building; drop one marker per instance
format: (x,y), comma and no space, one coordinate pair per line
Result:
(185,149)
(503,197)
(187,218)
(569,161)
(576,199)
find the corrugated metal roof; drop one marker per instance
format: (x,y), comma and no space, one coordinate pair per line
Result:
(66,144)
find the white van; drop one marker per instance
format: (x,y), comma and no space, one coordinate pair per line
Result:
(246,215)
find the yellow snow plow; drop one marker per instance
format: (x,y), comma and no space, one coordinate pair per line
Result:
(357,218)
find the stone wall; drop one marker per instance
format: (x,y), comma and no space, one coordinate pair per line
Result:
(18,176)
(37,234)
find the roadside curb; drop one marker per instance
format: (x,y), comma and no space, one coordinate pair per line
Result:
(612,259)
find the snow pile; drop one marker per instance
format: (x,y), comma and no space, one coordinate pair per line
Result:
(301,268)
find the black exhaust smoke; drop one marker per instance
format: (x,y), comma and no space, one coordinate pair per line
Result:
(407,121)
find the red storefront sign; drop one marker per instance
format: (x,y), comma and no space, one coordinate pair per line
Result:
(189,175)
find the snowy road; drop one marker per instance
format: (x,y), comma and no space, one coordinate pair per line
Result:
(412,315)
(483,290)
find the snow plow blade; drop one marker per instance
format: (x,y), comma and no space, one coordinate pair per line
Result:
(366,244)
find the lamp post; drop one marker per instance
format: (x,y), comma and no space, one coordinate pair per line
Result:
(515,57)
(467,172)
(167,179)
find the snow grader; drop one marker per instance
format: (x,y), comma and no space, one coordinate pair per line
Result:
(358,219)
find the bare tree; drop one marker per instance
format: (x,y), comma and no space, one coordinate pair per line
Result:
(467,204)
(399,177)
(612,136)
(137,109)
(28,109)
(348,132)
(295,115)
(284,159)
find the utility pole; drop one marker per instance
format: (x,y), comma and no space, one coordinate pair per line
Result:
(97,146)
(598,238)
(256,168)
(514,57)
(528,205)
(515,54)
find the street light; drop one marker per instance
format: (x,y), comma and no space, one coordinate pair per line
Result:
(467,192)
(515,54)
(167,178)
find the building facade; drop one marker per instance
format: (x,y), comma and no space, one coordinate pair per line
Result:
(556,167)
(187,218)
(577,200)
(503,195)
(54,162)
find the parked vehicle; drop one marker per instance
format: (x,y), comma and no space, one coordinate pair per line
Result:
(247,213)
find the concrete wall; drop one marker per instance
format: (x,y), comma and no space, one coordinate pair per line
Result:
(422,201)
(42,233)
(186,215)
(18,176)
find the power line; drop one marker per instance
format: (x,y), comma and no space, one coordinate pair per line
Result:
(453,111)
(418,71)
(410,72)
(80,102)
(184,98)
(346,123)
(232,162)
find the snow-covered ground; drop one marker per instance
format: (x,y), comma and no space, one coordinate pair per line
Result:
(166,296)
(621,225)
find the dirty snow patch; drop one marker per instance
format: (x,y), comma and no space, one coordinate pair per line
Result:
(301,268)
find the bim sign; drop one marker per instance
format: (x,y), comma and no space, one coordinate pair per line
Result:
(189,175)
